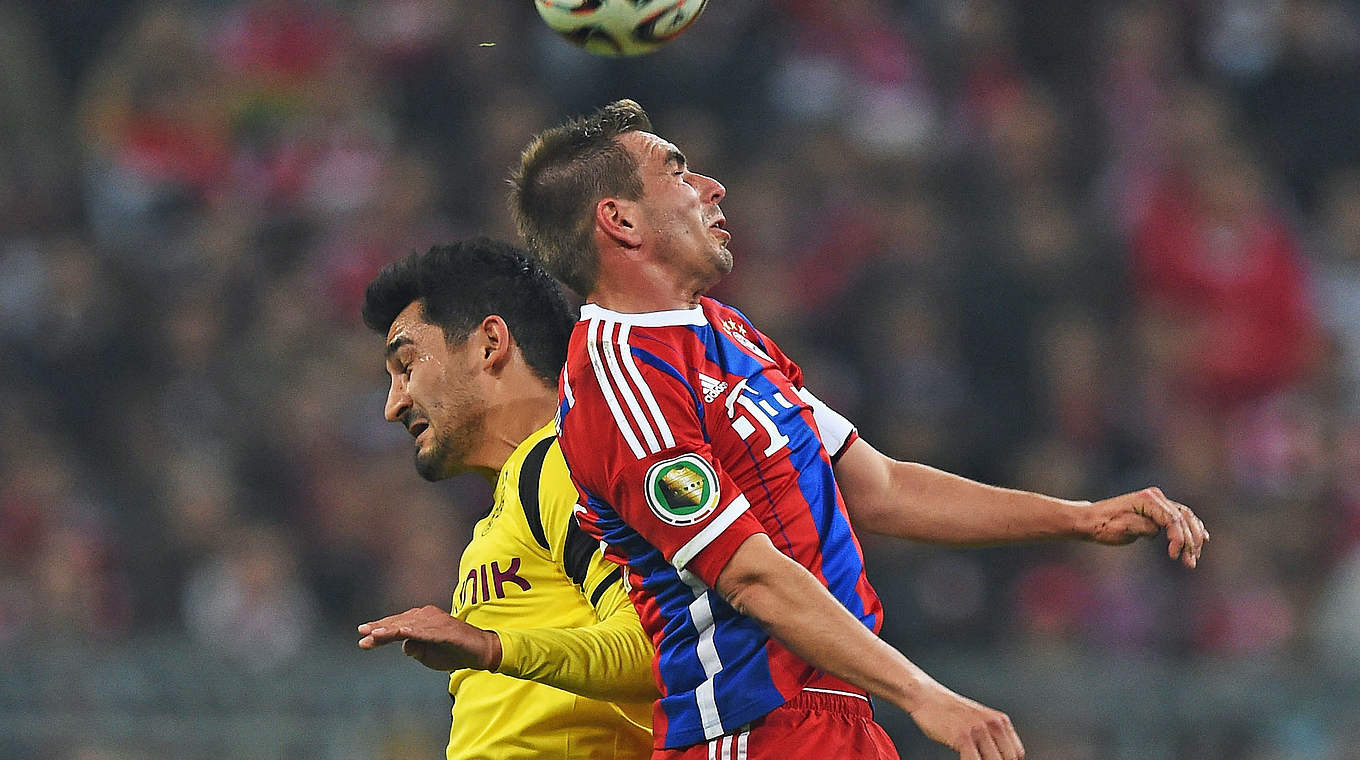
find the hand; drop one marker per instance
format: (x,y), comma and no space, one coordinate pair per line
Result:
(973,730)
(1148,512)
(435,639)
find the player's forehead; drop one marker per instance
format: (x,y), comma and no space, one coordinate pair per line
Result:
(410,328)
(652,150)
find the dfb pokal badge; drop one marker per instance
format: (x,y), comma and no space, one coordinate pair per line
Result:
(683,490)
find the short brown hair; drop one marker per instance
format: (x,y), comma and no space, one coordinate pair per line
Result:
(562,174)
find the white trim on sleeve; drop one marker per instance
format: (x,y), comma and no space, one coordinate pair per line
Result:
(711,531)
(834,427)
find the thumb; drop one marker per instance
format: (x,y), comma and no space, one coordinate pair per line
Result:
(413,648)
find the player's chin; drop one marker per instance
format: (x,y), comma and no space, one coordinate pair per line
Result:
(723,259)
(430,464)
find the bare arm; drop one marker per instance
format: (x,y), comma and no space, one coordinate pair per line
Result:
(797,610)
(915,501)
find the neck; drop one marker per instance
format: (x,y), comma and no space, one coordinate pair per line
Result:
(510,418)
(645,287)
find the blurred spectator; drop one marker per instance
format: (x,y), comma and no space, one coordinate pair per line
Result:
(1221,282)
(246,601)
(1337,278)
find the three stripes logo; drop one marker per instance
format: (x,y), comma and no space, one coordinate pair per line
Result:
(711,386)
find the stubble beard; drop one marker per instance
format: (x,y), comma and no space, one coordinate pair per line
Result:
(448,453)
(724,259)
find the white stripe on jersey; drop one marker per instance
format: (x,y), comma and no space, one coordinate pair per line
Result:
(708,709)
(713,750)
(726,747)
(602,377)
(716,525)
(566,388)
(742,739)
(643,388)
(701,612)
(610,346)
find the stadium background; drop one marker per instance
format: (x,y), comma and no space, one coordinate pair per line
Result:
(1072,247)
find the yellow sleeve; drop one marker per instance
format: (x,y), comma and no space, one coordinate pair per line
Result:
(611,659)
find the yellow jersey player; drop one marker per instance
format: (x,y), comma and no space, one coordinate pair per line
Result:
(547,655)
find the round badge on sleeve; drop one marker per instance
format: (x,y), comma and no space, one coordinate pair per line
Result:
(683,490)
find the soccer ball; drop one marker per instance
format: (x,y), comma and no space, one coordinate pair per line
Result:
(620,27)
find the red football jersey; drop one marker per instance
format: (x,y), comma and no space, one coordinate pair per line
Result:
(687,432)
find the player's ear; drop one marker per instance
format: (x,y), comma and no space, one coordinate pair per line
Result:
(618,220)
(494,342)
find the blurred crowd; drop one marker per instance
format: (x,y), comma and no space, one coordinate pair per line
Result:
(1074,248)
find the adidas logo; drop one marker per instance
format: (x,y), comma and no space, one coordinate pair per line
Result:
(711,386)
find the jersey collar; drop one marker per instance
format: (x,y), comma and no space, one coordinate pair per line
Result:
(694,315)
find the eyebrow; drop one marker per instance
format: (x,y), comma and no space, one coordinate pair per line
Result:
(397,343)
(674,156)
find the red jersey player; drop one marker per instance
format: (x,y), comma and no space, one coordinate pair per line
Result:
(705,465)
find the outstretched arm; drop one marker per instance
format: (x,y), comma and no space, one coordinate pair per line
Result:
(610,660)
(915,501)
(796,609)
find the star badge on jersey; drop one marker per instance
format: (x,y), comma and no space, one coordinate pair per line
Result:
(734,327)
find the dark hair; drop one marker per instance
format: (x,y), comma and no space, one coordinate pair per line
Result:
(461,284)
(562,174)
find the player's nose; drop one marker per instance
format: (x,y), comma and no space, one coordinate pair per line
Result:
(398,401)
(713,190)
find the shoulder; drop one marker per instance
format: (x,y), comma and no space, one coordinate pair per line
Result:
(541,483)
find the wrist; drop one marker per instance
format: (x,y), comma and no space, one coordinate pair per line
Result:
(1080,519)
(917,693)
(492,660)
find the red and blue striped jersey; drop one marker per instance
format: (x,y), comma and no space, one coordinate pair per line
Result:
(687,432)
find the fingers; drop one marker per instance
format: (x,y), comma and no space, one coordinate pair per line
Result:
(992,737)
(1185,532)
(994,744)
(987,748)
(386,630)
(1008,741)
(1201,533)
(1171,519)
(376,637)
(391,621)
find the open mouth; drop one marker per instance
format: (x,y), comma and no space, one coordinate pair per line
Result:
(418,428)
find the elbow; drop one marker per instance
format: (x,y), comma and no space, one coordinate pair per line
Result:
(870,516)
(742,590)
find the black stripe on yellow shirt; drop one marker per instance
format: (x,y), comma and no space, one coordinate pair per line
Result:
(528,489)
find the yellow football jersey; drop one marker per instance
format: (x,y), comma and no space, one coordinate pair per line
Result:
(530,574)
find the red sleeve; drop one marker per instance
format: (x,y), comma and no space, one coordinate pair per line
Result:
(633,438)
(836,431)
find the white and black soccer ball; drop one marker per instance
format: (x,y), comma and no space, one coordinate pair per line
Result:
(620,27)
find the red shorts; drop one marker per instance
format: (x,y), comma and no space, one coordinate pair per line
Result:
(836,725)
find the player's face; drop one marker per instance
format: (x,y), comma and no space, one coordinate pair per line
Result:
(682,221)
(433,393)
